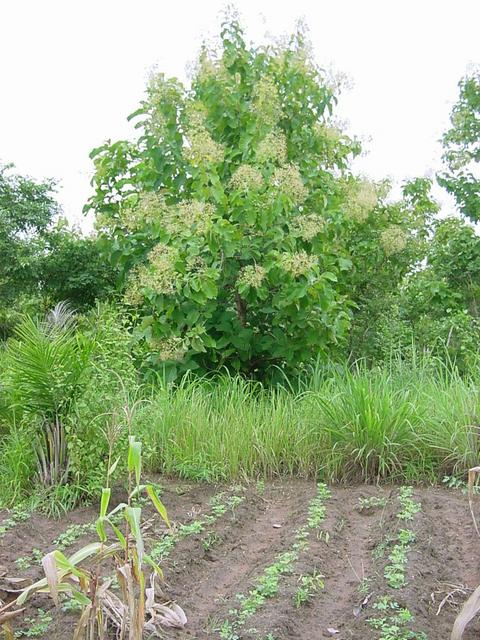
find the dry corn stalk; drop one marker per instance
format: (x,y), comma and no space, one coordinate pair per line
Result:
(472,605)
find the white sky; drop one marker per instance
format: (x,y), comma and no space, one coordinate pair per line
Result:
(71,71)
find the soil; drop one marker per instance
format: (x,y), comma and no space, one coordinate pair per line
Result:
(205,572)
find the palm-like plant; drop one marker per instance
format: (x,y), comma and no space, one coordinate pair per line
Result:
(46,363)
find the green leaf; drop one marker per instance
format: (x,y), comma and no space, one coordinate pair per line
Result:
(135,458)
(105,499)
(133,517)
(159,506)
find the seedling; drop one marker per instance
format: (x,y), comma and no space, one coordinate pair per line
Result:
(18,514)
(210,541)
(392,625)
(371,503)
(309,586)
(410,507)
(37,627)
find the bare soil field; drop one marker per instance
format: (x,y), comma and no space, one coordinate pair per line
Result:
(282,560)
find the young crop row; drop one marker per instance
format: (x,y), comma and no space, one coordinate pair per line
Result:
(268,584)
(391,620)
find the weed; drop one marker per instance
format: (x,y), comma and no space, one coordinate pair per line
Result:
(210,541)
(309,586)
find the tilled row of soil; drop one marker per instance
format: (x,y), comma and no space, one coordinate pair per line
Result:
(207,570)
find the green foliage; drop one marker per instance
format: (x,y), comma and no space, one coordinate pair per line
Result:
(462,149)
(37,627)
(224,216)
(45,367)
(383,251)
(392,624)
(72,268)
(43,261)
(99,417)
(27,209)
(309,586)
(76,378)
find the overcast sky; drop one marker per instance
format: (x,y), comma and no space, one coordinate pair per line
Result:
(72,71)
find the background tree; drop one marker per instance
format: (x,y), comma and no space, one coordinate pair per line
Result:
(43,260)
(461,145)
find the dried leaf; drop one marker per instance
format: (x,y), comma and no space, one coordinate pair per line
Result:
(51,574)
(468,611)
(173,616)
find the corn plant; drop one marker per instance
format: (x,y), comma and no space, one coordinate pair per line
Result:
(135,612)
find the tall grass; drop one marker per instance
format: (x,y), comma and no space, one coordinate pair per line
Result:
(404,421)
(398,422)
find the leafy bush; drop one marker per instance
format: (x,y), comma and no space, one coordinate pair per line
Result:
(45,367)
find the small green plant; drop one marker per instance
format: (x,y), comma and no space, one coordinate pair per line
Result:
(371,503)
(72,534)
(309,586)
(23,562)
(317,509)
(190,529)
(210,541)
(392,625)
(17,514)
(260,487)
(409,506)
(365,586)
(37,627)
(227,631)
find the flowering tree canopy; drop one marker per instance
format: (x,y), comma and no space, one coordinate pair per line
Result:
(230,216)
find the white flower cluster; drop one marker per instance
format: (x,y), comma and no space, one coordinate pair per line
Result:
(299,263)
(361,200)
(160,90)
(273,148)
(393,240)
(266,102)
(328,133)
(150,207)
(201,146)
(196,264)
(159,274)
(172,348)
(246,178)
(307,226)
(187,215)
(288,181)
(252,276)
